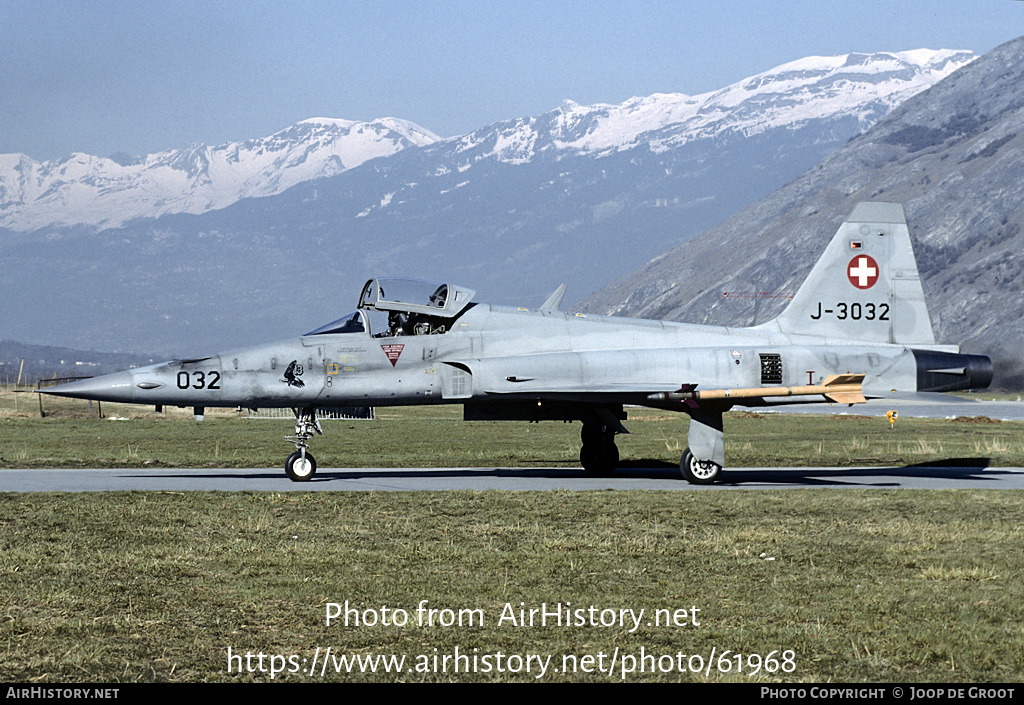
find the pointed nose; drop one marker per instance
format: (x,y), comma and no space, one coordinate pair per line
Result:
(114,387)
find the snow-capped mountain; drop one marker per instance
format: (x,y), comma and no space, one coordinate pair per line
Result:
(862,87)
(580,194)
(107,192)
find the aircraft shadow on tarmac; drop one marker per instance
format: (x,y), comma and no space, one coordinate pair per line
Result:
(953,469)
(947,469)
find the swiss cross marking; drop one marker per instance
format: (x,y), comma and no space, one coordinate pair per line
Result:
(862,271)
(392,351)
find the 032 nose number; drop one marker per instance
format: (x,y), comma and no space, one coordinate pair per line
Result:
(199,380)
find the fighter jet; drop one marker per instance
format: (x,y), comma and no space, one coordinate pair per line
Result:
(857,328)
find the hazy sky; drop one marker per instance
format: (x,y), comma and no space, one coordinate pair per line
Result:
(103,76)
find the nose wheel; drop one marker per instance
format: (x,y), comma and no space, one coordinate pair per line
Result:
(301,465)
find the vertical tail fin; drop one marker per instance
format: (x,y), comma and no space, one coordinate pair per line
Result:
(865,287)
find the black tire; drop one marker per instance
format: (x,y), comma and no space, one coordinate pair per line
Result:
(296,470)
(599,460)
(698,472)
(592,435)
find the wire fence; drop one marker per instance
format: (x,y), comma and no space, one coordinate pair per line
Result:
(62,406)
(341,412)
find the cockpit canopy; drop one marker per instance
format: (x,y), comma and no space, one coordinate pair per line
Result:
(414,307)
(434,299)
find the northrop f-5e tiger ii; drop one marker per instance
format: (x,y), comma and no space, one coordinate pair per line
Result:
(857,328)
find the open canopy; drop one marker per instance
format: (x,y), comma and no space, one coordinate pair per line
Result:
(435,299)
(414,307)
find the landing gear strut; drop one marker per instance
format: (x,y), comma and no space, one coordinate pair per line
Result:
(301,465)
(702,461)
(599,454)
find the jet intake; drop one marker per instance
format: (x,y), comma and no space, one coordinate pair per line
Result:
(951,372)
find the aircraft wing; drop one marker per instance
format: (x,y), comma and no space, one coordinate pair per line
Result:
(639,377)
(534,387)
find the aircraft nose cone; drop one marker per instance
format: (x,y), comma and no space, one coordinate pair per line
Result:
(114,387)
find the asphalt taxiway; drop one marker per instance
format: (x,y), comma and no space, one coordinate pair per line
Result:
(960,474)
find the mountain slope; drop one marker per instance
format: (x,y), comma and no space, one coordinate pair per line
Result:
(952,154)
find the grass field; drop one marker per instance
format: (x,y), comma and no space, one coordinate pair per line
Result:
(430,436)
(800,585)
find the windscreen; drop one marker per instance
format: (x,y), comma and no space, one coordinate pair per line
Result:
(349,323)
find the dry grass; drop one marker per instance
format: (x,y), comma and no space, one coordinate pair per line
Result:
(870,586)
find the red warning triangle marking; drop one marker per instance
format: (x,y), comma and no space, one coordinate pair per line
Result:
(392,351)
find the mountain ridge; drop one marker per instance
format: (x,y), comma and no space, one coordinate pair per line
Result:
(106,192)
(109,191)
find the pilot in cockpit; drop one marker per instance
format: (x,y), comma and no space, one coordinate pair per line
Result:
(399,323)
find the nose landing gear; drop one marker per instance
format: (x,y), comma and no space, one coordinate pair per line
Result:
(301,465)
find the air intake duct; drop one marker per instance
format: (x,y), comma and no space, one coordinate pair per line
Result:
(951,372)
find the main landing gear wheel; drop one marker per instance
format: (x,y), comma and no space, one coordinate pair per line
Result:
(599,454)
(698,472)
(300,467)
